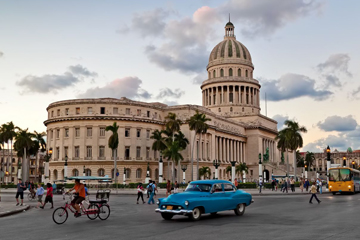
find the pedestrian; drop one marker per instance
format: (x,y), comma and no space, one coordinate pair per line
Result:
(32,189)
(49,196)
(317,184)
(301,185)
(307,184)
(140,190)
(285,186)
(236,182)
(20,192)
(54,187)
(39,193)
(168,188)
(320,186)
(273,185)
(152,187)
(292,184)
(147,187)
(176,187)
(288,182)
(260,184)
(313,193)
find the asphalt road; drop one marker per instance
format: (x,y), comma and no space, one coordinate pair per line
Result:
(270,217)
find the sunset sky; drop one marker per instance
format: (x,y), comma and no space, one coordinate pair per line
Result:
(306,56)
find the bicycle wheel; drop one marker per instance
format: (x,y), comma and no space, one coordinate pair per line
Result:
(30,198)
(92,212)
(60,215)
(104,212)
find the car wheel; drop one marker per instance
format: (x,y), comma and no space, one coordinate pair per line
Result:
(334,193)
(167,216)
(195,214)
(240,209)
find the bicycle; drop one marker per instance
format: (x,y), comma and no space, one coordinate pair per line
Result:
(31,196)
(60,214)
(104,208)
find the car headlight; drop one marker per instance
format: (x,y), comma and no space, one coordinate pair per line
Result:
(186,203)
(349,186)
(157,202)
(330,186)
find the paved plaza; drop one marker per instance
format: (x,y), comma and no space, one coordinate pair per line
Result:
(270,217)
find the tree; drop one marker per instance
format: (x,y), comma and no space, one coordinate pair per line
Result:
(23,143)
(239,169)
(183,142)
(172,152)
(309,159)
(113,143)
(197,123)
(9,134)
(205,171)
(299,159)
(39,145)
(2,145)
(159,143)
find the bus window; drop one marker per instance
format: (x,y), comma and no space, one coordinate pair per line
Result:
(334,175)
(345,174)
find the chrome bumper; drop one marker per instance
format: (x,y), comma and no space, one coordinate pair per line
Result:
(176,212)
(252,200)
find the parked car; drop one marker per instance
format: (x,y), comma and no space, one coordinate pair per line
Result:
(204,196)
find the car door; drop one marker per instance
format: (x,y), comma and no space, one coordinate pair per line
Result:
(216,198)
(229,192)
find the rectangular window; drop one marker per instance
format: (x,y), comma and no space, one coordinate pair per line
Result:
(90,111)
(112,153)
(66,151)
(127,111)
(88,151)
(102,110)
(127,153)
(51,134)
(77,111)
(251,172)
(148,114)
(66,132)
(138,112)
(147,153)
(127,132)
(101,151)
(155,116)
(138,133)
(58,112)
(57,133)
(66,111)
(89,132)
(77,151)
(52,113)
(115,110)
(57,153)
(102,132)
(147,134)
(214,97)
(138,152)
(207,150)
(77,132)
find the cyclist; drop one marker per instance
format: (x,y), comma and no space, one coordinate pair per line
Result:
(79,196)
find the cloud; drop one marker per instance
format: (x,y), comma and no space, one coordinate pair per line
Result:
(150,23)
(337,123)
(355,92)
(335,142)
(54,82)
(263,17)
(1,54)
(124,87)
(170,103)
(280,119)
(291,86)
(167,92)
(200,78)
(332,80)
(336,63)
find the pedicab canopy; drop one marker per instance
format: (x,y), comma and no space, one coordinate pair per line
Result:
(89,178)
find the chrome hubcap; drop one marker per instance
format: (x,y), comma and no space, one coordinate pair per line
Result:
(241,207)
(196,212)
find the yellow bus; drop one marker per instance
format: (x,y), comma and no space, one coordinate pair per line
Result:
(343,179)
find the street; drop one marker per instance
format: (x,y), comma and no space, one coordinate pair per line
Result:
(270,217)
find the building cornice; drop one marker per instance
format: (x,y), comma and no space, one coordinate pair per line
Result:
(232,80)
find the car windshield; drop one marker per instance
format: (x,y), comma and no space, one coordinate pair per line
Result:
(339,175)
(192,187)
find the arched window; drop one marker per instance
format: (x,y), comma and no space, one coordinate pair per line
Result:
(239,72)
(75,172)
(231,109)
(55,174)
(128,173)
(156,173)
(221,72)
(246,73)
(219,109)
(101,172)
(112,172)
(175,173)
(62,174)
(243,109)
(252,110)
(214,74)
(230,72)
(87,172)
(138,173)
(13,160)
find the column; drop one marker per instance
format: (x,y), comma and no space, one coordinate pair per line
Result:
(222,94)
(228,94)
(244,149)
(209,96)
(220,149)
(258,98)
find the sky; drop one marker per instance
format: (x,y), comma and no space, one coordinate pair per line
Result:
(305,54)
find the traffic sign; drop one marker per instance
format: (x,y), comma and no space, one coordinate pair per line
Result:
(117,174)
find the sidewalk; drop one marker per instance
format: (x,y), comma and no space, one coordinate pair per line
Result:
(9,208)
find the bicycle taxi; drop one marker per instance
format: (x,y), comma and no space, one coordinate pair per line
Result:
(97,208)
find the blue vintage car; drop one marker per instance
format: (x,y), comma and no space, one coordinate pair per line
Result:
(204,196)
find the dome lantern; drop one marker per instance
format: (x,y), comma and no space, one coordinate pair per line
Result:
(229,30)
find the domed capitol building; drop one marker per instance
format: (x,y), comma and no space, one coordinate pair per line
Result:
(230,98)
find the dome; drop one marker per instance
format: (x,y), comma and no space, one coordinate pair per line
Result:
(230,50)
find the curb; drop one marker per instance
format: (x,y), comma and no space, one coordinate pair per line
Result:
(8,213)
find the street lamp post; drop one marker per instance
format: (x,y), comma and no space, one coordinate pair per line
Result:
(46,170)
(353,164)
(260,167)
(161,163)
(344,161)
(184,167)
(147,179)
(233,171)
(216,164)
(84,174)
(124,176)
(305,171)
(65,168)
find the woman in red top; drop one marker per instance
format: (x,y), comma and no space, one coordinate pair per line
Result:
(49,196)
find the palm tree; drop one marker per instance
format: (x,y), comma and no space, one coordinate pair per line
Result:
(9,135)
(295,139)
(172,152)
(172,124)
(183,142)
(299,159)
(159,143)
(205,171)
(283,144)
(113,143)
(2,143)
(197,123)
(239,169)
(39,144)
(309,159)
(23,143)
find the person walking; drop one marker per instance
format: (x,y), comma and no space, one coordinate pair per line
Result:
(32,189)
(313,193)
(320,186)
(49,196)
(20,192)
(260,184)
(39,193)
(317,184)
(176,187)
(301,185)
(292,184)
(54,187)
(140,190)
(154,187)
(285,186)
(236,182)
(307,185)
(148,190)
(151,199)
(273,185)
(168,188)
